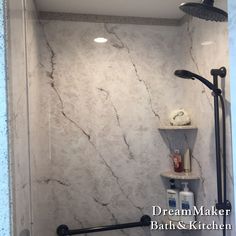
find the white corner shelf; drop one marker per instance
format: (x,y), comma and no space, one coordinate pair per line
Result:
(180,176)
(185,127)
(167,221)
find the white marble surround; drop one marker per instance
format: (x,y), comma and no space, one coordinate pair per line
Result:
(96,153)
(108,108)
(18,119)
(107,102)
(29,126)
(201,59)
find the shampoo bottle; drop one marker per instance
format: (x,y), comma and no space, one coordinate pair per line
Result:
(172,200)
(186,201)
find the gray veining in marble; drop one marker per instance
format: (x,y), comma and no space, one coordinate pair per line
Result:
(108,112)
(109,105)
(94,113)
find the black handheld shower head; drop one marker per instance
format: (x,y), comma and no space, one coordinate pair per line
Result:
(204,10)
(184,74)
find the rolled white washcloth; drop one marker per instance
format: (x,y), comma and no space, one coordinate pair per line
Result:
(179,118)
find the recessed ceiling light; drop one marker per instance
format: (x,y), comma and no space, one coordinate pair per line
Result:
(100,40)
(207,43)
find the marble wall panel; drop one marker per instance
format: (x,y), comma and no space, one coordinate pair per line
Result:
(95,152)
(206,45)
(18,118)
(39,123)
(107,102)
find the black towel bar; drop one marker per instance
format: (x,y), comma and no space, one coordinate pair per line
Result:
(63,230)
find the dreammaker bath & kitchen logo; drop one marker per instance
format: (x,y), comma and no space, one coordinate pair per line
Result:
(192,225)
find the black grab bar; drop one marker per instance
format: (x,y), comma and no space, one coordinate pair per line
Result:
(63,230)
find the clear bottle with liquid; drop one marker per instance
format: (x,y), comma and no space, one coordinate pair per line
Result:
(177,161)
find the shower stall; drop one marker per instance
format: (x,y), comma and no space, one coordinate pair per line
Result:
(89,97)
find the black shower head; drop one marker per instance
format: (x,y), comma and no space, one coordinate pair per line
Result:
(204,10)
(184,74)
(189,75)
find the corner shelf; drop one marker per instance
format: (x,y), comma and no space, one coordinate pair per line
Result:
(186,127)
(180,176)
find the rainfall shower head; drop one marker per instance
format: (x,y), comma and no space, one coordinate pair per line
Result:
(204,10)
(184,74)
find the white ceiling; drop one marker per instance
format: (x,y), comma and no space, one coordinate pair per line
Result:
(137,8)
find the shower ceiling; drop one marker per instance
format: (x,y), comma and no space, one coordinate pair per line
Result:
(137,8)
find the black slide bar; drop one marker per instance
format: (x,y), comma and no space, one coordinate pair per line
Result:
(63,230)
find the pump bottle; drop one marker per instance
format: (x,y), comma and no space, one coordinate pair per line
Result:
(172,200)
(186,201)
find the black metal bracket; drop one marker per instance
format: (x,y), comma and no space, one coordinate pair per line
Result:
(219,72)
(208,2)
(224,206)
(63,230)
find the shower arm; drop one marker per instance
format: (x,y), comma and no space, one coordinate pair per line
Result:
(208,2)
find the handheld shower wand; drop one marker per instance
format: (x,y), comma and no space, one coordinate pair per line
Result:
(189,75)
(223,203)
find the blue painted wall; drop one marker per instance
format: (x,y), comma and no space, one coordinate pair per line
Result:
(4,161)
(232,35)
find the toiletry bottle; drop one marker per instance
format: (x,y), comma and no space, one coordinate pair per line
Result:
(172,195)
(186,202)
(187,161)
(177,161)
